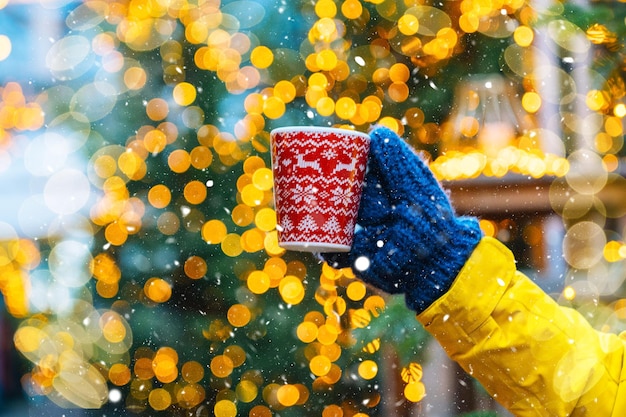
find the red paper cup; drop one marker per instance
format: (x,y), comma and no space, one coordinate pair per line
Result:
(318,178)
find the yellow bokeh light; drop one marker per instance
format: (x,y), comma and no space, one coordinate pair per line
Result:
(408,24)
(195,192)
(326,27)
(271,244)
(221,366)
(262,57)
(115,234)
(238,315)
(179,161)
(531,101)
(613,126)
(159,399)
(325,106)
(252,164)
(285,91)
(263,179)
(274,107)
(231,245)
(159,196)
(415,391)
(197,32)
(184,94)
(253,240)
(352,9)
(373,346)
(157,109)
(291,289)
(265,219)
(368,369)
(523,36)
(345,108)
(155,141)
(611,162)
(332,410)
(143,368)
(258,282)
(399,73)
(325,8)
(105,166)
(242,215)
(288,395)
(225,408)
(620,110)
(165,370)
(613,251)
(195,267)
(413,372)
(398,92)
(603,142)
(596,100)
(214,231)
(307,331)
(201,157)
(356,290)
(252,195)
(135,78)
(192,372)
(157,290)
(468,22)
(314,94)
(320,365)
(107,290)
(569,293)
(28,338)
(326,60)
(236,354)
(119,374)
(391,123)
(247,391)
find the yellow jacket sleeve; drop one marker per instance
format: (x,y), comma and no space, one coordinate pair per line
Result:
(533,356)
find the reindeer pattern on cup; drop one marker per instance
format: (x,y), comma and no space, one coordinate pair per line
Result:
(317,185)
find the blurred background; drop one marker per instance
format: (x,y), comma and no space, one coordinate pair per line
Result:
(139,266)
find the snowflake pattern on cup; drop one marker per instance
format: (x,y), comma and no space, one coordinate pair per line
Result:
(318,176)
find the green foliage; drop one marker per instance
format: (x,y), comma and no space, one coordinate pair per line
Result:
(480,414)
(398,327)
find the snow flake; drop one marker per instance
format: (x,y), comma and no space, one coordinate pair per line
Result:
(362,263)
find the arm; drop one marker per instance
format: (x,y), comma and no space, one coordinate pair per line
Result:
(533,356)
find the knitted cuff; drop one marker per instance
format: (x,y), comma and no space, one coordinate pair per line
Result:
(439,272)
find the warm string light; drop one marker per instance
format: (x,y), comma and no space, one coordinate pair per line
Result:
(458,165)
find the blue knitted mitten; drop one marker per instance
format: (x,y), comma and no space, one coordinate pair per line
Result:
(409,240)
